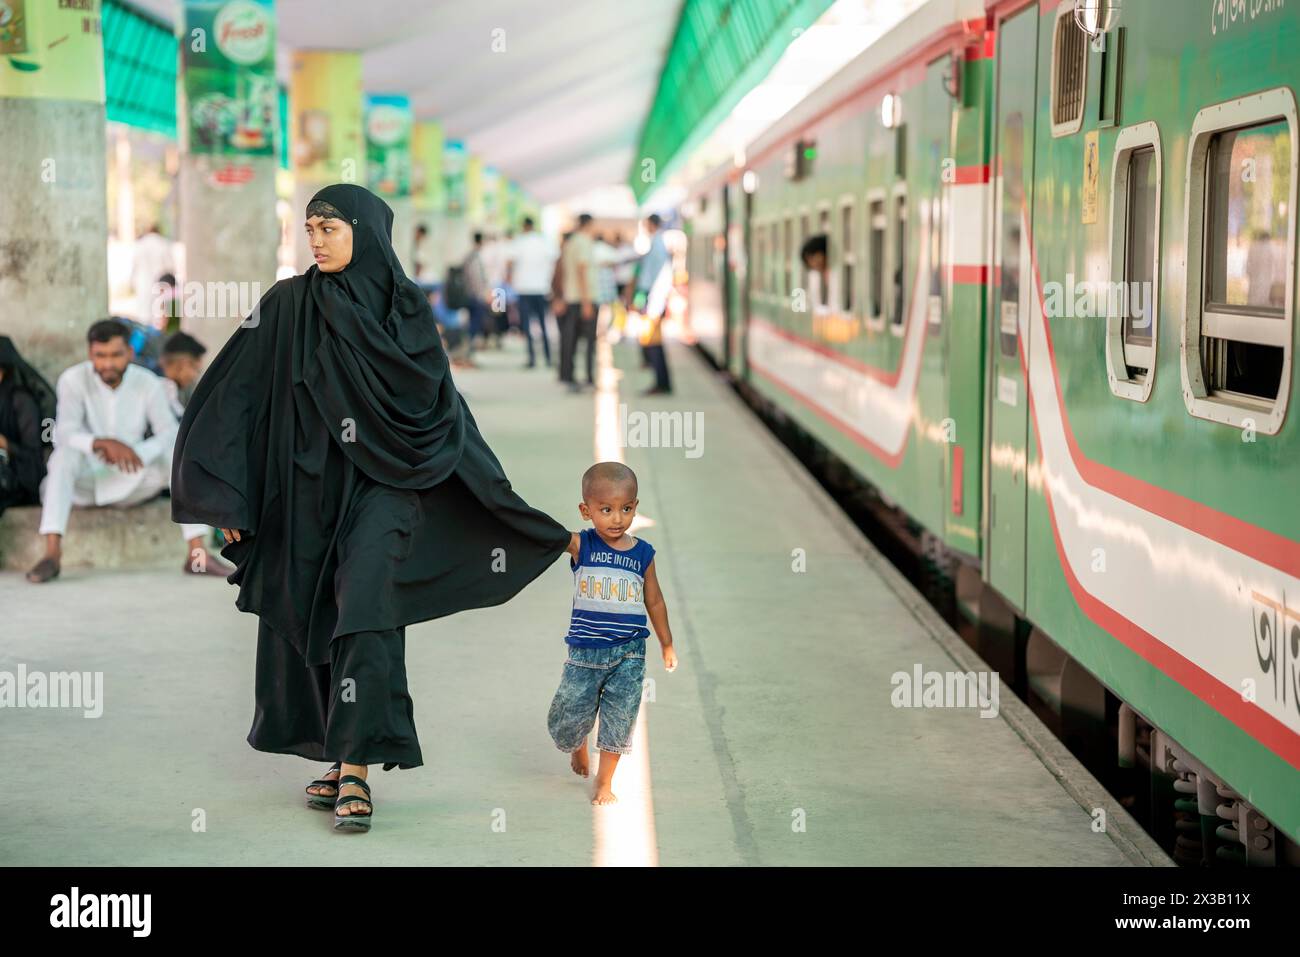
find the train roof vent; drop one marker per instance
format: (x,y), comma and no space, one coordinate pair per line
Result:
(1069,73)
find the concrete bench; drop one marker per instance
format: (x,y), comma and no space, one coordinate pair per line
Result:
(143,536)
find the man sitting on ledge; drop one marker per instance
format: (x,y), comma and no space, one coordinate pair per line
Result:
(101,455)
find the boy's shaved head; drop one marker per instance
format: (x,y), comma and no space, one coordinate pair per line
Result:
(611,473)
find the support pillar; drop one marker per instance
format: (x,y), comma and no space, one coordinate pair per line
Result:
(53,181)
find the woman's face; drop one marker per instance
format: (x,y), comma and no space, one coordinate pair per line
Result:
(331,243)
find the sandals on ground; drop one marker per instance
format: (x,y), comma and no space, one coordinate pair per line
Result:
(353,820)
(324,802)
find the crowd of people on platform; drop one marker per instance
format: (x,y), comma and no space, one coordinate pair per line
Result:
(585,283)
(104,435)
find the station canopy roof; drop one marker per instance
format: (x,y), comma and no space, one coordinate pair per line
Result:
(558,107)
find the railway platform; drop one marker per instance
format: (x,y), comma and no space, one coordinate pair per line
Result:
(798,729)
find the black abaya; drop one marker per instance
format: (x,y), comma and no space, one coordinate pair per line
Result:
(329,432)
(26,400)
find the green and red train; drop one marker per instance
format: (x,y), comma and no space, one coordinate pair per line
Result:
(1055,332)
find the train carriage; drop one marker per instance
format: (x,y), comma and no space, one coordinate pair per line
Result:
(1055,331)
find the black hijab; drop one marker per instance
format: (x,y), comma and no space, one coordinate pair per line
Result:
(330,433)
(376,367)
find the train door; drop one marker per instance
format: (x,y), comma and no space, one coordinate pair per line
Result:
(739,357)
(1010,288)
(727,273)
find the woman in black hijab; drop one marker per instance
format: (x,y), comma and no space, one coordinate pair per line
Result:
(26,400)
(330,443)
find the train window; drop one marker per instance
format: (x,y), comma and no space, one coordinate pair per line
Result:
(934,303)
(848,256)
(1131,307)
(788,253)
(1241,261)
(877,227)
(898,265)
(1069,73)
(773,258)
(760,259)
(1010,210)
(805,231)
(823,278)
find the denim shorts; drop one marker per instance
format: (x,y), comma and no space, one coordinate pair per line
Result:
(604,681)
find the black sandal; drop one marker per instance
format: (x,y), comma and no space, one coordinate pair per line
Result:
(353,820)
(324,802)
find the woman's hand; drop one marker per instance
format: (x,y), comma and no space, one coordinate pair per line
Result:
(231,534)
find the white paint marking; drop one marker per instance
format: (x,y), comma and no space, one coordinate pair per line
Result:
(624,832)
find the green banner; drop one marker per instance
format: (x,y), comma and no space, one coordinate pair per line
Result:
(228,77)
(492,179)
(388,145)
(454,163)
(474,190)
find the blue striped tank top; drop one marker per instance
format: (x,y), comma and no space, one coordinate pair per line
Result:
(608,592)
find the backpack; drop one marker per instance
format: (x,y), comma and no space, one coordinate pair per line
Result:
(455,294)
(147,343)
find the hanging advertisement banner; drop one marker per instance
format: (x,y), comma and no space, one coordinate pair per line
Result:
(388,145)
(504,217)
(426,167)
(326,100)
(228,77)
(454,174)
(51,50)
(491,196)
(474,190)
(514,206)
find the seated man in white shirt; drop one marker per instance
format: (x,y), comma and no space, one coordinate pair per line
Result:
(101,455)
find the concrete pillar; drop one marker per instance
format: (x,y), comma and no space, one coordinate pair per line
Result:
(328,146)
(228,118)
(231,235)
(53,172)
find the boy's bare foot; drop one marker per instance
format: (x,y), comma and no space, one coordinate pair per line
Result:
(605,778)
(578,761)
